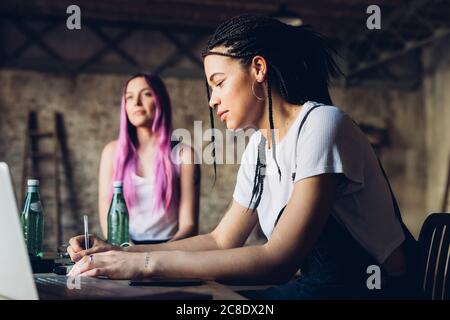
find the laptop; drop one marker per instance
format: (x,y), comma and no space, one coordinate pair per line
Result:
(18,282)
(16,277)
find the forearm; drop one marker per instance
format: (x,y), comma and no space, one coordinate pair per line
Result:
(239,265)
(185,232)
(197,243)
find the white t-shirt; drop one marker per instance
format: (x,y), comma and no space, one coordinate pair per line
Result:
(161,225)
(148,225)
(329,142)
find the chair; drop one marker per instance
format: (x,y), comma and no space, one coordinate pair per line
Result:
(434,241)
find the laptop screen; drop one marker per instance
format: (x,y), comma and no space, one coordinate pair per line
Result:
(16,277)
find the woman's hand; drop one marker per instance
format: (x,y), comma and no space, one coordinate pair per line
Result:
(76,247)
(114,265)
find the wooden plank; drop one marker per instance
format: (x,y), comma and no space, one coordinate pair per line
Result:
(57,191)
(41,134)
(103,51)
(31,41)
(37,38)
(25,163)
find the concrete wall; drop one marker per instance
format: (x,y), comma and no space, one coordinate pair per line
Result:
(436,60)
(90,115)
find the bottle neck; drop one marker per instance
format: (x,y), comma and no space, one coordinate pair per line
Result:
(118,190)
(33,189)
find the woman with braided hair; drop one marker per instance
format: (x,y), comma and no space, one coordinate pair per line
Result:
(308,175)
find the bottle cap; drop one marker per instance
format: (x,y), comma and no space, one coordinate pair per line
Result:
(33,182)
(117,184)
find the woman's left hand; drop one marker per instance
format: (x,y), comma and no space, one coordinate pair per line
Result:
(111,264)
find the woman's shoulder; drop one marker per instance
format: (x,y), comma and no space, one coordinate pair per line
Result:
(109,148)
(326,119)
(327,114)
(107,156)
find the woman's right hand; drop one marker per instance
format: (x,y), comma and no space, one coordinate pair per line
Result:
(76,247)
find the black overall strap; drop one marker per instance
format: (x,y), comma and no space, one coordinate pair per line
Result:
(316,105)
(411,246)
(394,200)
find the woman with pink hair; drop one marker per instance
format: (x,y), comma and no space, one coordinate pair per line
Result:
(161,187)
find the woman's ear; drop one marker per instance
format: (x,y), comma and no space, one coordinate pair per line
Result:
(259,68)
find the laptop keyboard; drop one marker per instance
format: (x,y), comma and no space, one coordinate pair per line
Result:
(54,280)
(86,284)
(56,287)
(57,281)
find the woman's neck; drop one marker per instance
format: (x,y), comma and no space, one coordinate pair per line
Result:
(283,114)
(145,136)
(145,151)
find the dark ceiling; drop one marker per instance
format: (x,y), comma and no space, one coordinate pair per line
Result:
(406,26)
(336,18)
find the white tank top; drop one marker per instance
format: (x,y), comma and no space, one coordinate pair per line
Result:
(148,225)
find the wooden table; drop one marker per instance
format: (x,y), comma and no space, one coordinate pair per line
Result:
(209,289)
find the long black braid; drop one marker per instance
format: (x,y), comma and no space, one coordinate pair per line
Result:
(300,65)
(271,125)
(260,173)
(213,136)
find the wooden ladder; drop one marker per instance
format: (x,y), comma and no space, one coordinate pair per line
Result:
(34,158)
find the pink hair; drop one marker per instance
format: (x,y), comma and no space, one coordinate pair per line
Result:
(126,152)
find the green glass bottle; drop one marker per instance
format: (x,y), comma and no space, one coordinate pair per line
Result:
(118,231)
(32,219)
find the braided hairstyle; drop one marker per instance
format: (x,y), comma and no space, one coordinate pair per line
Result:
(300,65)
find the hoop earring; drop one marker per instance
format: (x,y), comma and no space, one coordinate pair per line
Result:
(253,91)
